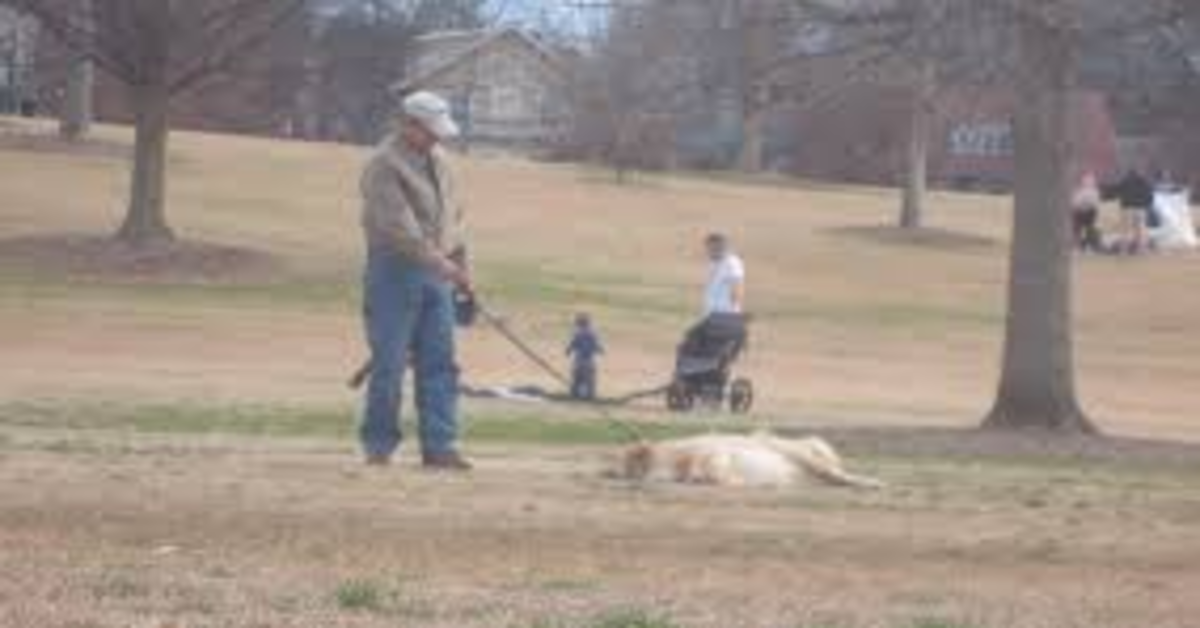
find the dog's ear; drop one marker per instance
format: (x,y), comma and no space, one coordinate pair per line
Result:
(639,461)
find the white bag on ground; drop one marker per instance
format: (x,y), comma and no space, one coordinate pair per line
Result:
(1176,229)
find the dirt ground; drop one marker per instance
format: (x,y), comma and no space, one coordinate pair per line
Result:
(886,344)
(98,530)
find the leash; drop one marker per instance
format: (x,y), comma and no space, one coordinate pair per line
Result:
(500,324)
(627,430)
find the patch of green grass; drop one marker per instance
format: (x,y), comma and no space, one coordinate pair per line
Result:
(632,618)
(77,446)
(119,586)
(181,418)
(371,596)
(1034,473)
(1018,478)
(524,283)
(359,595)
(510,281)
(498,426)
(326,294)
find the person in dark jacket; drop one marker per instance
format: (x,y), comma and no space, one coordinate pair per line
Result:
(584,350)
(1136,196)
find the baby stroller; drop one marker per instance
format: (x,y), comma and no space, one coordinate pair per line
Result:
(704,365)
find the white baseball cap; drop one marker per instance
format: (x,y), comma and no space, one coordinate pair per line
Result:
(433,112)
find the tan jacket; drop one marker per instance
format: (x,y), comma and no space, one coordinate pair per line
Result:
(409,203)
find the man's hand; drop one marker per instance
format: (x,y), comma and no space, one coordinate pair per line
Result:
(453,273)
(465,282)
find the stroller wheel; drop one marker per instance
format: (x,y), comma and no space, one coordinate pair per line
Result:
(741,396)
(679,397)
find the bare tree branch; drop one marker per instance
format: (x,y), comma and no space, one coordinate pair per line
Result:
(238,41)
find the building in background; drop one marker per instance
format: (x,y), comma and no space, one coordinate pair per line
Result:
(508,88)
(18,39)
(862,138)
(974,147)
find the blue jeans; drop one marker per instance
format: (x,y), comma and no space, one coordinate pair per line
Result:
(409,315)
(583,381)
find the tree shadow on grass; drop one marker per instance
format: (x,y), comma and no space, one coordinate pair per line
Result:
(79,256)
(926,238)
(966,445)
(24,139)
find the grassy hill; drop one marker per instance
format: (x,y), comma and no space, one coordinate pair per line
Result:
(856,324)
(176,448)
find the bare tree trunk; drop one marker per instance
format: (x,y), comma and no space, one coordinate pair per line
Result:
(1037,386)
(76,116)
(76,119)
(158,49)
(912,210)
(146,220)
(751,157)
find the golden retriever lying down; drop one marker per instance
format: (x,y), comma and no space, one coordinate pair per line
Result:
(761,459)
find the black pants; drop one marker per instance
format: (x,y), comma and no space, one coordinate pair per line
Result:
(1086,230)
(716,330)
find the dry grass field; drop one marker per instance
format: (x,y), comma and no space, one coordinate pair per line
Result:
(176,451)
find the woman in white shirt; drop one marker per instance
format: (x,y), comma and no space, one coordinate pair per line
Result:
(725,291)
(1085,214)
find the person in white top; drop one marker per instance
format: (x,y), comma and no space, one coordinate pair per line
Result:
(721,331)
(726,289)
(1085,214)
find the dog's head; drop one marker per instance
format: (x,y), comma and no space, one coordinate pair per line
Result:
(639,461)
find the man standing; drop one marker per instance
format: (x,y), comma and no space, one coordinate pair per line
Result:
(416,258)
(726,289)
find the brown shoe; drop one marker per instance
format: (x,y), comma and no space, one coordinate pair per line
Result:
(378,460)
(449,461)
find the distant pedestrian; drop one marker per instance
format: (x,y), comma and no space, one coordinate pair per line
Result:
(584,350)
(1136,196)
(1166,182)
(1085,215)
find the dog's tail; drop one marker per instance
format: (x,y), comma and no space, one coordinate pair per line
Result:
(837,476)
